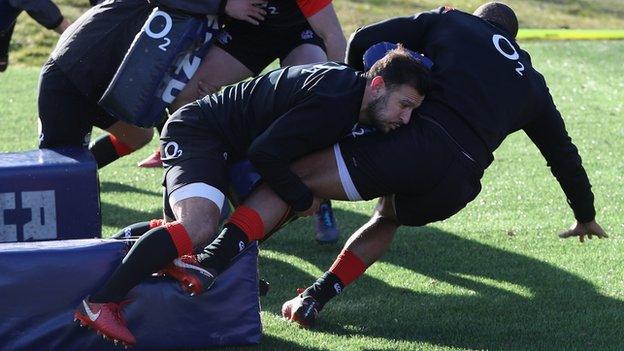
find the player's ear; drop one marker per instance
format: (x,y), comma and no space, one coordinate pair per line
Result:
(378,85)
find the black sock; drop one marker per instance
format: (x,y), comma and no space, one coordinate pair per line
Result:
(152,251)
(325,288)
(133,230)
(104,151)
(217,256)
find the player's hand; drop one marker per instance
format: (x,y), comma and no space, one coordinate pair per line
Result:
(316,203)
(581,230)
(251,11)
(62,26)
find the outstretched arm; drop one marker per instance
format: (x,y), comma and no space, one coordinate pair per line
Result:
(325,23)
(548,133)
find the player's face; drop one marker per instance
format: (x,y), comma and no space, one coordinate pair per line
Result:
(394,107)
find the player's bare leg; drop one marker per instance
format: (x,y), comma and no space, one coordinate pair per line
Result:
(122,139)
(362,249)
(197,220)
(262,213)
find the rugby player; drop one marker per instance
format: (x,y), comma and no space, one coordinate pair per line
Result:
(484,88)
(296,32)
(272,120)
(85,60)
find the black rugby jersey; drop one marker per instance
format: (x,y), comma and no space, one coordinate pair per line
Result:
(283,115)
(484,88)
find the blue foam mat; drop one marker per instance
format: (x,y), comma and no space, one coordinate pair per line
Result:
(43,282)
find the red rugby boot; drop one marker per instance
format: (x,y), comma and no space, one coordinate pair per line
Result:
(193,278)
(106,320)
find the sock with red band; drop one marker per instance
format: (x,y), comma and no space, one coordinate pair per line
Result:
(346,269)
(137,229)
(244,227)
(107,149)
(153,251)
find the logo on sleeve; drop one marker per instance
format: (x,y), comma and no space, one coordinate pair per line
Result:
(171,150)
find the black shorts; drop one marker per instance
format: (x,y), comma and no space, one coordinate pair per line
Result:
(430,176)
(257,47)
(192,153)
(66,115)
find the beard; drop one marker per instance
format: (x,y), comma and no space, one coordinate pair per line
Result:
(375,112)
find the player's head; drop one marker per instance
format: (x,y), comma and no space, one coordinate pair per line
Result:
(500,14)
(397,84)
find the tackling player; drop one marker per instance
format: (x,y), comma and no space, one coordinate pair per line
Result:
(272,120)
(484,88)
(296,32)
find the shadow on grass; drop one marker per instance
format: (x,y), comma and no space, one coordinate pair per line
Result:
(110,187)
(508,301)
(117,216)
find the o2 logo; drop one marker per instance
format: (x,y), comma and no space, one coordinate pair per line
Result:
(172,150)
(509,51)
(162,32)
(27,215)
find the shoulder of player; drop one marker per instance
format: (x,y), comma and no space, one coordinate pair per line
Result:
(335,80)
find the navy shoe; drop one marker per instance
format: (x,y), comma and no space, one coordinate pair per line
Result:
(327,231)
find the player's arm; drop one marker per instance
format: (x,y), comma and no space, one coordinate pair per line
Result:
(548,133)
(406,30)
(305,128)
(45,12)
(323,19)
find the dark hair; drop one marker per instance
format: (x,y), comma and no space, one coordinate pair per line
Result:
(500,14)
(399,67)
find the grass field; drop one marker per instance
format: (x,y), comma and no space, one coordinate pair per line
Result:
(495,276)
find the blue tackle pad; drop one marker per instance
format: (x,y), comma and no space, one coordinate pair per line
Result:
(42,284)
(49,194)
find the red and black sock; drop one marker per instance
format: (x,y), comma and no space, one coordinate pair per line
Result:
(346,269)
(245,225)
(153,251)
(107,149)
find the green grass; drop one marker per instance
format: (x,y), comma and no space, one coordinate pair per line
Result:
(495,276)
(570,34)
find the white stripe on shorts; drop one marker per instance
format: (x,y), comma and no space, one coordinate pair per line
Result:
(345,178)
(197,190)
